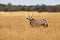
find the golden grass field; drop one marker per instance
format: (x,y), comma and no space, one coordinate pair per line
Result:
(15,26)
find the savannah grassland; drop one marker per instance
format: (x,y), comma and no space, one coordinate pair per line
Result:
(15,26)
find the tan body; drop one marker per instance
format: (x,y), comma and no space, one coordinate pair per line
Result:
(41,22)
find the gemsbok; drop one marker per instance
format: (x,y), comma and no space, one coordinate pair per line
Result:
(35,22)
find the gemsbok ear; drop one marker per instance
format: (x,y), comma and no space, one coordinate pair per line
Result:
(27,18)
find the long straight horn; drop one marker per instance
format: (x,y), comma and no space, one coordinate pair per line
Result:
(32,15)
(28,15)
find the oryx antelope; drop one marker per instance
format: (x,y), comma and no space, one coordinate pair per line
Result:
(35,22)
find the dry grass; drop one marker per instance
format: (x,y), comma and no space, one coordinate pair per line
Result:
(15,26)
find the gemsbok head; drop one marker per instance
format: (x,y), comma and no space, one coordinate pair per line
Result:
(35,22)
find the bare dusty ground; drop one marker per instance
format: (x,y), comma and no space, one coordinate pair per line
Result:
(15,26)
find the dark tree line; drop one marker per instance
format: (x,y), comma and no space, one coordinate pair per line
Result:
(40,8)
